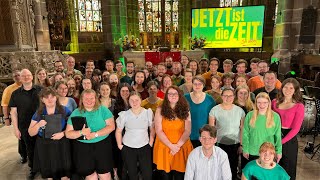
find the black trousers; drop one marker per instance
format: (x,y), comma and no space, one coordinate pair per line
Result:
(29,143)
(22,149)
(289,155)
(133,156)
(172,175)
(232,151)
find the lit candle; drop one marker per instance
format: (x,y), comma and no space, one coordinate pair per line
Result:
(177,46)
(154,47)
(172,46)
(141,46)
(147,47)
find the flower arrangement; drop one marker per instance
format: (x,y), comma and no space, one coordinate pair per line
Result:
(128,43)
(197,42)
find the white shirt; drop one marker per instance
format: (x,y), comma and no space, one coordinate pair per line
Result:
(199,167)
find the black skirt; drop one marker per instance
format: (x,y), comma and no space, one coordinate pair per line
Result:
(52,158)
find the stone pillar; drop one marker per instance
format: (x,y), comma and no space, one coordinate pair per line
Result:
(287,31)
(114,14)
(74,45)
(132,18)
(41,25)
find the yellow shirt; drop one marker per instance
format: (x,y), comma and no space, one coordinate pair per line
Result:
(146,104)
(7,93)
(207,77)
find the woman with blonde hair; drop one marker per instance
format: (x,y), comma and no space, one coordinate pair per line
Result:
(243,99)
(41,78)
(264,167)
(261,125)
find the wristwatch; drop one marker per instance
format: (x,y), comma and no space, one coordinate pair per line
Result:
(96,135)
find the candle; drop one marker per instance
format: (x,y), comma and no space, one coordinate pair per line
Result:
(172,46)
(147,47)
(154,47)
(141,46)
(177,46)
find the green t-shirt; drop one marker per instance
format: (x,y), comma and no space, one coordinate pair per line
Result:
(96,121)
(254,137)
(253,170)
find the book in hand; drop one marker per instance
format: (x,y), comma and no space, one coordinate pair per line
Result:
(77,123)
(53,125)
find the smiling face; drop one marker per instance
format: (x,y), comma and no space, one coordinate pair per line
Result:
(193,66)
(267,157)
(173,96)
(71,85)
(167,82)
(206,140)
(262,104)
(197,85)
(215,83)
(288,90)
(105,90)
(227,68)
(135,101)
(214,65)
(26,76)
(89,100)
(42,75)
(241,81)
(86,84)
(153,90)
(227,97)
(139,78)
(188,77)
(242,95)
(241,68)
(124,93)
(62,90)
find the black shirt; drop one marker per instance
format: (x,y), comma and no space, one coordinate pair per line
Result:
(272,94)
(26,103)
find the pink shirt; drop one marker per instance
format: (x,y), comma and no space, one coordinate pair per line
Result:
(290,118)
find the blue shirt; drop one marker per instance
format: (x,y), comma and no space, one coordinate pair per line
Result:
(199,114)
(64,118)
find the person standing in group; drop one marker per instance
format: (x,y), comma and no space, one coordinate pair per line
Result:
(213,65)
(172,145)
(261,125)
(62,89)
(186,87)
(215,90)
(92,156)
(105,99)
(41,78)
(24,103)
(228,119)
(135,145)
(166,82)
(152,102)
(208,162)
(264,167)
(200,104)
(139,84)
(52,157)
(289,105)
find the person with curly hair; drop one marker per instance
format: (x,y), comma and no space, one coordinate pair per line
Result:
(289,105)
(173,127)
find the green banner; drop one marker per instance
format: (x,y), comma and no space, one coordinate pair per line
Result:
(231,27)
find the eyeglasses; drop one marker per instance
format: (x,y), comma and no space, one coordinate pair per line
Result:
(228,96)
(197,84)
(172,94)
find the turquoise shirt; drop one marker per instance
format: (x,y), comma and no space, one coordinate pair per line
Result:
(254,137)
(96,121)
(252,170)
(199,114)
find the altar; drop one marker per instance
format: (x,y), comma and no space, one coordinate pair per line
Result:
(140,57)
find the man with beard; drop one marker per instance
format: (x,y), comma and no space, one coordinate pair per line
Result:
(114,83)
(161,69)
(269,80)
(105,76)
(168,63)
(58,66)
(204,65)
(23,103)
(257,81)
(177,77)
(128,78)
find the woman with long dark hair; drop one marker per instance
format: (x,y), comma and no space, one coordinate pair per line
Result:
(52,154)
(289,105)
(173,127)
(139,84)
(105,99)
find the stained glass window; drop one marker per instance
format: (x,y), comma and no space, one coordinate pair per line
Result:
(230,3)
(88,15)
(150,15)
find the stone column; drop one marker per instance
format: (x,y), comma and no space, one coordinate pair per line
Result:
(74,45)
(114,24)
(41,25)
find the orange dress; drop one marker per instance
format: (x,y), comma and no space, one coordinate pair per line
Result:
(161,153)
